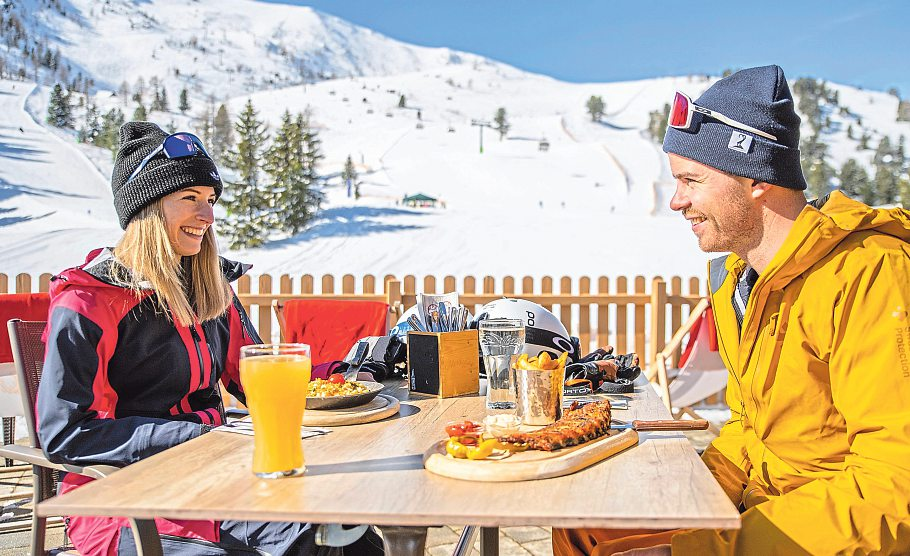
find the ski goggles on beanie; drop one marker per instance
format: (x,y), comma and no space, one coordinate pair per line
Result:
(682,110)
(176,145)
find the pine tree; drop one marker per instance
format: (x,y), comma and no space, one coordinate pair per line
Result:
(203,125)
(883,154)
(905,191)
(349,177)
(853,179)
(184,103)
(903,111)
(817,171)
(156,100)
(595,107)
(402,102)
(108,137)
(657,123)
(140,114)
(222,133)
(284,162)
(92,126)
(249,198)
(59,112)
(887,186)
(123,92)
(502,122)
(850,131)
(160,103)
(302,201)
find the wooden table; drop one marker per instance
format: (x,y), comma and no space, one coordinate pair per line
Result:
(373,473)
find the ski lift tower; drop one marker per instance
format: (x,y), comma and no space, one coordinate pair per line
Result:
(481,124)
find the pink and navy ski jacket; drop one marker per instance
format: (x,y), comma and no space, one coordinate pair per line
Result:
(122,382)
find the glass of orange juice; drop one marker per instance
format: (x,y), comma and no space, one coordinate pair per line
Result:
(275,379)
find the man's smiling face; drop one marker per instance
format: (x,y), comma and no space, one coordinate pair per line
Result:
(718,206)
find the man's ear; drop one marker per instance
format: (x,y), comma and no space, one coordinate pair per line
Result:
(759,188)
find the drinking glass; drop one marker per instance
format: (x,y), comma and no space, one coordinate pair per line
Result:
(539,393)
(500,339)
(275,379)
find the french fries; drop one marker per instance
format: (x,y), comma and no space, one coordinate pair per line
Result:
(543,362)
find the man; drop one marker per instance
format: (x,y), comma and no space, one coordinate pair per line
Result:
(812,309)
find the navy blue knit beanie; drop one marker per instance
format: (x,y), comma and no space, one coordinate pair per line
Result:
(760,98)
(160,177)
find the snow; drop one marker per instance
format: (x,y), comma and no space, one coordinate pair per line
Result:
(594,204)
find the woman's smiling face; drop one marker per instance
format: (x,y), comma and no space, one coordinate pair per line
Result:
(188,213)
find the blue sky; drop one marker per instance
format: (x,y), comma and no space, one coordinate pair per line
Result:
(864,44)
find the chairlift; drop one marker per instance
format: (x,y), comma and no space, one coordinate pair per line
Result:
(543,145)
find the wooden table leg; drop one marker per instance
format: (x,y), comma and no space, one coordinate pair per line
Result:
(489,541)
(404,541)
(148,542)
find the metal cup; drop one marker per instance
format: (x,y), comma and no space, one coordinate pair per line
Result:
(538,394)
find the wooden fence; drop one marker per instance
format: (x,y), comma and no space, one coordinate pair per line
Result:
(632,314)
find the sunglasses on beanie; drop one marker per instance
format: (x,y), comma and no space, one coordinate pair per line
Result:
(683,108)
(177,145)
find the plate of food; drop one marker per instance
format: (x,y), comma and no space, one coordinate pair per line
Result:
(337,393)
(581,438)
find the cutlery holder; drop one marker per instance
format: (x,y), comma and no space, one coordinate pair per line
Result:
(444,364)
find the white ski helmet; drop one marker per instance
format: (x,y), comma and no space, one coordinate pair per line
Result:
(543,331)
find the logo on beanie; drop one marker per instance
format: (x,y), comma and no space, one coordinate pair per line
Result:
(215,175)
(739,141)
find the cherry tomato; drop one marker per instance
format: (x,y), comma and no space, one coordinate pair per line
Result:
(455,430)
(336,379)
(468,440)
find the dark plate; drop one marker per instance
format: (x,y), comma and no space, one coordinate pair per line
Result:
(340,402)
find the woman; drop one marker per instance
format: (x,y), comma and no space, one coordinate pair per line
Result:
(138,338)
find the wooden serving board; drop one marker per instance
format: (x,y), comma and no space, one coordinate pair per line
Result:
(380,407)
(531,464)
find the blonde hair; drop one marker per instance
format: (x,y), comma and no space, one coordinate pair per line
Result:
(145,254)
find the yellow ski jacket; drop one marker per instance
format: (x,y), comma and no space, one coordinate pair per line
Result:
(817,450)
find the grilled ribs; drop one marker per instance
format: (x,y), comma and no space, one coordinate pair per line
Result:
(577,426)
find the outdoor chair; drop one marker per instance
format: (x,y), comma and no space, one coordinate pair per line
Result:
(28,356)
(331,326)
(26,306)
(700,372)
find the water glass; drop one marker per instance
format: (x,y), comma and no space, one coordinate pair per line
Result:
(275,379)
(500,339)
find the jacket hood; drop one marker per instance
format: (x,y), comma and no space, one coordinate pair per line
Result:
(95,272)
(824,224)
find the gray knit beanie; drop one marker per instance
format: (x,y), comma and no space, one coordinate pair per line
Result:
(160,176)
(758,97)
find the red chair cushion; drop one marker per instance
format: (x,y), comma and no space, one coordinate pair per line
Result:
(25,306)
(332,326)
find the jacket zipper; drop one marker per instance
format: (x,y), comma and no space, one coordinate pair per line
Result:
(248,330)
(196,342)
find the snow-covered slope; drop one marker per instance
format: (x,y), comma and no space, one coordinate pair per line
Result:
(594,203)
(219,47)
